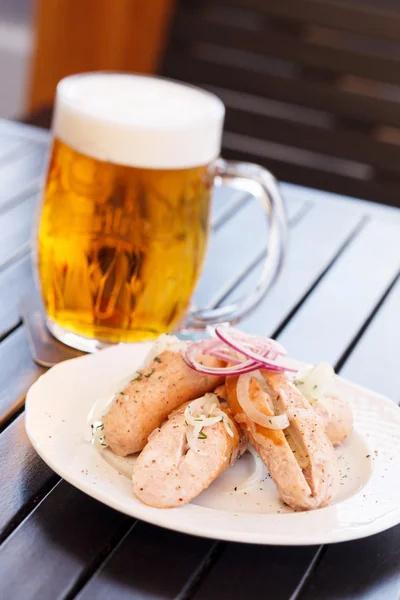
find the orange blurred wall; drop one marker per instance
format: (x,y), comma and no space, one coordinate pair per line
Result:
(72,36)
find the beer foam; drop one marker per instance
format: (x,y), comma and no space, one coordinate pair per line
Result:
(138,121)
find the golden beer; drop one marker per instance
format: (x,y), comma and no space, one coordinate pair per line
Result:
(125,214)
(120,248)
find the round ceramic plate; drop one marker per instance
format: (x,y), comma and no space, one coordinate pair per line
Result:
(57,410)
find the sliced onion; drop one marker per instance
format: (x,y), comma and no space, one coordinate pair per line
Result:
(204,412)
(256,477)
(196,348)
(192,436)
(270,422)
(225,355)
(251,340)
(316,384)
(238,343)
(227,422)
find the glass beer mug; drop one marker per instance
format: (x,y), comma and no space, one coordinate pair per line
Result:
(124,221)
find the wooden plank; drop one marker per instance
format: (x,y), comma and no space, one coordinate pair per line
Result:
(62,539)
(308,169)
(24,477)
(212,70)
(190,27)
(246,571)
(14,283)
(326,323)
(374,361)
(366,569)
(18,372)
(381,212)
(22,175)
(372,21)
(329,141)
(16,228)
(10,147)
(314,243)
(141,566)
(226,257)
(24,132)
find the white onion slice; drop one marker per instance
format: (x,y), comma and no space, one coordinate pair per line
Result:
(202,413)
(316,383)
(271,422)
(256,477)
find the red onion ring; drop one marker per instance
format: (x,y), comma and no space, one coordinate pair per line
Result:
(223,333)
(190,354)
(260,353)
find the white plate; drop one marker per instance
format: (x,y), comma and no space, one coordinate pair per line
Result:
(57,408)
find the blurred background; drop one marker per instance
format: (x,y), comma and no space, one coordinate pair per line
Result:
(312,87)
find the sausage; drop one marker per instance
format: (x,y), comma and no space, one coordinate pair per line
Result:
(164,385)
(338,419)
(168,474)
(301,459)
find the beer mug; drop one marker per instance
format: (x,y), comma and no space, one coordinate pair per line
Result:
(124,221)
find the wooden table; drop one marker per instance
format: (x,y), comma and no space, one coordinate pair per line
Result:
(337,299)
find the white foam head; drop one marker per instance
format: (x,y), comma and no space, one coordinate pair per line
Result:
(138,121)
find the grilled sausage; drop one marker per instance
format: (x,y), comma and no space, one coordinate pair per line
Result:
(164,385)
(168,474)
(301,459)
(338,419)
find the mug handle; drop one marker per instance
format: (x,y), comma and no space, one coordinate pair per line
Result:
(262,184)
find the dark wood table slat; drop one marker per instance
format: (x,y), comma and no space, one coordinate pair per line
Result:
(193,26)
(346,296)
(14,283)
(17,374)
(24,132)
(379,350)
(22,175)
(64,537)
(308,169)
(154,562)
(246,117)
(246,571)
(11,147)
(208,68)
(24,477)
(233,248)
(373,19)
(16,230)
(324,228)
(366,569)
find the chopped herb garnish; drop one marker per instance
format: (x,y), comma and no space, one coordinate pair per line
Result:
(138,377)
(122,393)
(150,374)
(230,457)
(157,359)
(202,435)
(270,421)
